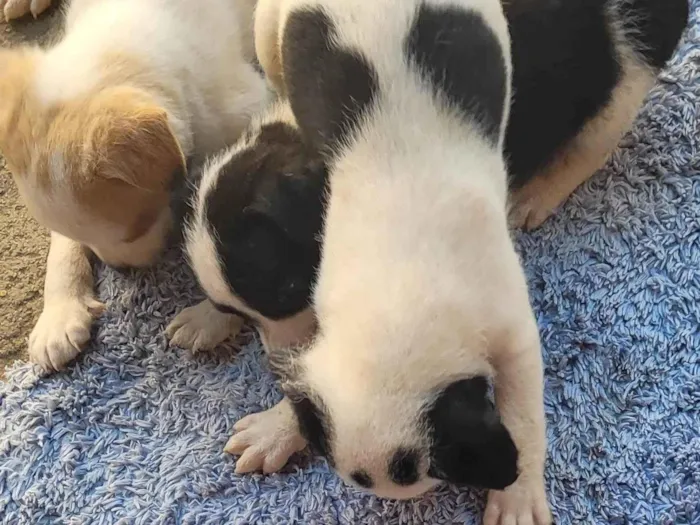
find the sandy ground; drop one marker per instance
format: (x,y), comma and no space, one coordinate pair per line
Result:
(23,243)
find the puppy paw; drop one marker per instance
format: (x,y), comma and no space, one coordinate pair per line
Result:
(529,213)
(62,331)
(523,503)
(17,8)
(265,441)
(202,327)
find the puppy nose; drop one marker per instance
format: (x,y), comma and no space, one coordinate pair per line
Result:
(362,478)
(403,467)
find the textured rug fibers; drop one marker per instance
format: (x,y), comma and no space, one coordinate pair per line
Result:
(133,433)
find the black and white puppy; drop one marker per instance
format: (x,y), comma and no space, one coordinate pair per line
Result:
(253,237)
(570,89)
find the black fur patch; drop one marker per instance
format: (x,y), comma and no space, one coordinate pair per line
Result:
(564,70)
(470,445)
(655,26)
(266,212)
(180,197)
(458,54)
(314,425)
(330,88)
(363,479)
(403,467)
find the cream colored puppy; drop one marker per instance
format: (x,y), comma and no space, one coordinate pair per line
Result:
(420,298)
(96,130)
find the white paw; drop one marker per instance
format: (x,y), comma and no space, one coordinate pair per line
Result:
(62,331)
(523,503)
(202,327)
(17,8)
(265,441)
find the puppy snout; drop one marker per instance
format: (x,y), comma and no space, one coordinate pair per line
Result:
(399,478)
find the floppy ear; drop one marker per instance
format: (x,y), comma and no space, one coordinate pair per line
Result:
(470,445)
(133,140)
(294,201)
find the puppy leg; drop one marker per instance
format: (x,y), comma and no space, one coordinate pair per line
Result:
(70,306)
(519,397)
(202,327)
(265,441)
(266,33)
(284,333)
(17,8)
(587,153)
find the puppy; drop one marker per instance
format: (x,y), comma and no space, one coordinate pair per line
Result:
(96,130)
(420,298)
(253,239)
(581,71)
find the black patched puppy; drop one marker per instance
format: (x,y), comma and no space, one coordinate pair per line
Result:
(397,134)
(253,237)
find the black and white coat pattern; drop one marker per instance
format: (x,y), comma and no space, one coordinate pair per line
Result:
(420,298)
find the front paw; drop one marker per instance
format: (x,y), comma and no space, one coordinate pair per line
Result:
(202,327)
(62,331)
(265,441)
(529,213)
(17,8)
(523,503)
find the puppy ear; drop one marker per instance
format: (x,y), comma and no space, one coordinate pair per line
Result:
(294,202)
(470,445)
(133,140)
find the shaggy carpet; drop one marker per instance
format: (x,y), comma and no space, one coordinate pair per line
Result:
(133,433)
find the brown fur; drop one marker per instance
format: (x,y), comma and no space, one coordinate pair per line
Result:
(117,151)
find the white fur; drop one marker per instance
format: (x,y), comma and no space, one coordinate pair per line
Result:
(201,57)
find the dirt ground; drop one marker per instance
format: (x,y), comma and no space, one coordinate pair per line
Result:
(23,243)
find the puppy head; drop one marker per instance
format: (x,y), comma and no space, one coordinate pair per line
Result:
(253,239)
(399,427)
(97,168)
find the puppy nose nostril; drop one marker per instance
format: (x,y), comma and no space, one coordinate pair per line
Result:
(403,468)
(362,479)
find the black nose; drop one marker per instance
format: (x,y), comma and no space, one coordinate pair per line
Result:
(403,467)
(362,479)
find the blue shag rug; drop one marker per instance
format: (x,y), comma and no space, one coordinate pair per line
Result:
(134,432)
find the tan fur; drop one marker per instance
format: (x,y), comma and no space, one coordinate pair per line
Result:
(115,146)
(266,43)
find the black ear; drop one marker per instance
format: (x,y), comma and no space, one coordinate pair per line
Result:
(266,211)
(470,445)
(294,201)
(272,274)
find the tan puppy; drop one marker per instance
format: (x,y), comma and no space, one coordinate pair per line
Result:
(97,128)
